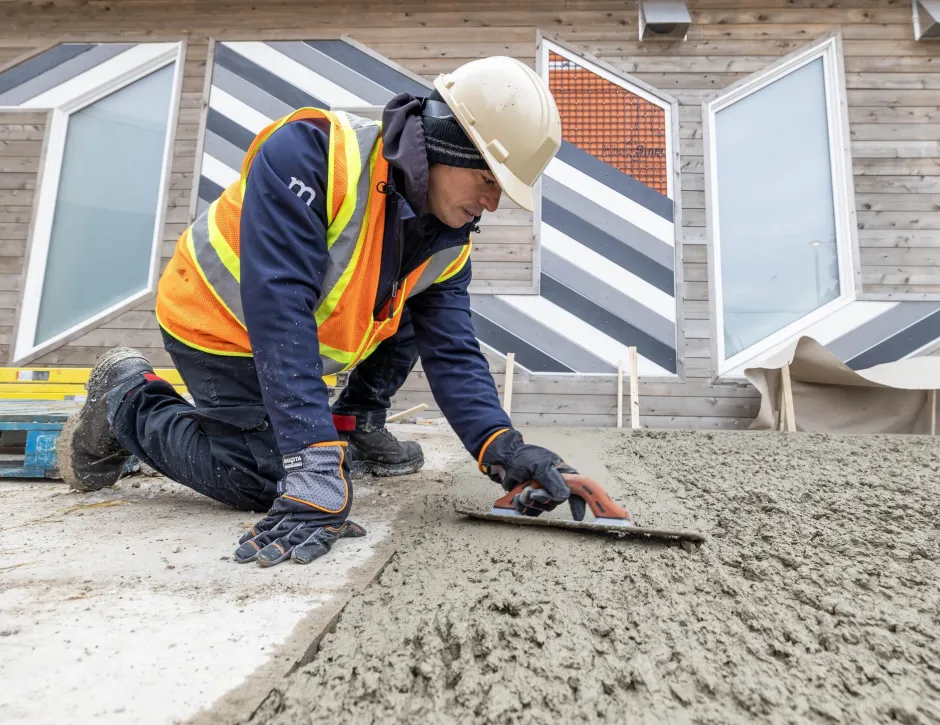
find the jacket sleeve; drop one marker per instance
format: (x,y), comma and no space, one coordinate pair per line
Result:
(283,261)
(457,370)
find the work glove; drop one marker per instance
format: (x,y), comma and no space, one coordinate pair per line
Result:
(309,515)
(508,460)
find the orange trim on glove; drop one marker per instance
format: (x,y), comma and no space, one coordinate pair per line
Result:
(487,445)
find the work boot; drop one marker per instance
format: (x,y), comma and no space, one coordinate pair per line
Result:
(89,456)
(378,452)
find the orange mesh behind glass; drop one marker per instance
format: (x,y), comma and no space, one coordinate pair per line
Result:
(609,122)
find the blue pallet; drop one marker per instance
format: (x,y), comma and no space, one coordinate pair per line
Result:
(39,423)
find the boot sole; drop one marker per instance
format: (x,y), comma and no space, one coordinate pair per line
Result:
(360,469)
(64,447)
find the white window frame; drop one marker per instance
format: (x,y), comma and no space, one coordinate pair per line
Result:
(830,50)
(64,100)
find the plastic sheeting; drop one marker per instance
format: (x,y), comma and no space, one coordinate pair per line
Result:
(828,396)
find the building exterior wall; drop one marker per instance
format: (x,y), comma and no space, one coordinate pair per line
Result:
(893,107)
(21,146)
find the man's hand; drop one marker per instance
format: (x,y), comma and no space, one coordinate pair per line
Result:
(509,461)
(310,514)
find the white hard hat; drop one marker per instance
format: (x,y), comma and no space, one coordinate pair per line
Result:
(510,116)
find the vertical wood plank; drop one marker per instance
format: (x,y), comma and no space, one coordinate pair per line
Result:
(507,394)
(634,391)
(933,412)
(620,393)
(788,399)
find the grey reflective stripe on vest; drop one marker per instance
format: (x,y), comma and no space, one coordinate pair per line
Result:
(217,275)
(330,366)
(436,266)
(341,253)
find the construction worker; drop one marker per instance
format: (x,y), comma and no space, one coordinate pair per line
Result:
(344,245)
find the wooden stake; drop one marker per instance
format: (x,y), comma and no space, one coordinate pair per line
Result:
(933,412)
(405,413)
(634,391)
(620,393)
(507,392)
(788,399)
(781,420)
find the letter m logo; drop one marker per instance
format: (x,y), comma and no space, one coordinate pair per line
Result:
(300,188)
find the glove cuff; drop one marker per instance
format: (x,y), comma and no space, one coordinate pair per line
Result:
(315,477)
(498,448)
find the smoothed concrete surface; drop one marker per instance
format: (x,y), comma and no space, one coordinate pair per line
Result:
(125,605)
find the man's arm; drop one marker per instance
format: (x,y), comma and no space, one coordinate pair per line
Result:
(457,370)
(464,389)
(283,260)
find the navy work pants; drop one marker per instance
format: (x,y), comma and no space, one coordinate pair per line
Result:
(223,445)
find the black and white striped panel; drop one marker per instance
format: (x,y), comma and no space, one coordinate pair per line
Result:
(255,83)
(865,333)
(607,276)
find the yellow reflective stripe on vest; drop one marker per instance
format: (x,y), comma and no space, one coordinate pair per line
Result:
(226,255)
(344,255)
(442,266)
(347,209)
(330,186)
(345,234)
(259,141)
(336,361)
(457,264)
(214,265)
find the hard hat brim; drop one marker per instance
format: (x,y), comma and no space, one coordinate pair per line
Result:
(516,189)
(519,192)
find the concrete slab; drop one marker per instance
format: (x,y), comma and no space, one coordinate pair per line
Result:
(129,601)
(814,599)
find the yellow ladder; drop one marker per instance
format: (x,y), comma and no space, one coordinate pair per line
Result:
(69,383)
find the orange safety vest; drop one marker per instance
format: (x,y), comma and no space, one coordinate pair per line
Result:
(199,295)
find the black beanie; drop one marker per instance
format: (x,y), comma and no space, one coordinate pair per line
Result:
(448,144)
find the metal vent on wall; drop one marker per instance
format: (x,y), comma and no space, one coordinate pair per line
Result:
(926,19)
(664,20)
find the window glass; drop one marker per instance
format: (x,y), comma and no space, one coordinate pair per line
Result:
(777,227)
(102,232)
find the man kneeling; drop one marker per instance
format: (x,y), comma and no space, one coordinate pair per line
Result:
(344,245)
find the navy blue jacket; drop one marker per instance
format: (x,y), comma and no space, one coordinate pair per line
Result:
(283,260)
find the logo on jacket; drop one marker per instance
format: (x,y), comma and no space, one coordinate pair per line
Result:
(302,189)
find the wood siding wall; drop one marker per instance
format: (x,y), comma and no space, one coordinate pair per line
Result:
(894,105)
(21,152)
(138,327)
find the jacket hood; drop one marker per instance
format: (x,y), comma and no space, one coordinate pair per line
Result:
(404,149)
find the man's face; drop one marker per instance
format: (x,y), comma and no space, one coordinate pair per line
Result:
(457,195)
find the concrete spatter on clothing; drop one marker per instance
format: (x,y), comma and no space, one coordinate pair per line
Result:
(816,598)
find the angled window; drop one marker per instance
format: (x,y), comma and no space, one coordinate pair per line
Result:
(606,231)
(99,214)
(779,198)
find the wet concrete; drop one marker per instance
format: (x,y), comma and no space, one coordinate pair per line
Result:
(816,598)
